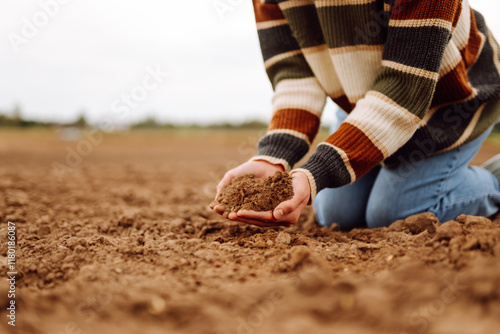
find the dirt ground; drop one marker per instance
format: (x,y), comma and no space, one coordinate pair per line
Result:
(124,242)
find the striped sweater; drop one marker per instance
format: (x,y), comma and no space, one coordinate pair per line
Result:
(417,77)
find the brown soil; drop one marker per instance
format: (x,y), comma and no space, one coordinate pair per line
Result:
(248,192)
(126,244)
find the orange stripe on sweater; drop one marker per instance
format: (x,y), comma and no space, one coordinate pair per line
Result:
(266,12)
(297,120)
(471,51)
(427,9)
(360,150)
(454,86)
(456,19)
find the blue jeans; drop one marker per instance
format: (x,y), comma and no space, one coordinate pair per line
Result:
(443,184)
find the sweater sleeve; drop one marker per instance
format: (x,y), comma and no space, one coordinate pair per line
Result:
(298,99)
(389,114)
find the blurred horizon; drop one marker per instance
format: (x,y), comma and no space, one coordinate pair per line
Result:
(179,62)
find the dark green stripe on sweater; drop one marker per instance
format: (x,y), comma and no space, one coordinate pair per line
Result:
(283,146)
(305,25)
(350,25)
(294,67)
(327,168)
(420,47)
(417,96)
(277,40)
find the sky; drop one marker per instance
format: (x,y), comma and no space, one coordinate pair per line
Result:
(178,61)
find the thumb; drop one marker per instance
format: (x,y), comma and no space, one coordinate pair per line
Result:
(301,197)
(284,209)
(226,180)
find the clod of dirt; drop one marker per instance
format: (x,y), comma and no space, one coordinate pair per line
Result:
(299,257)
(449,230)
(416,224)
(248,192)
(313,279)
(473,223)
(284,238)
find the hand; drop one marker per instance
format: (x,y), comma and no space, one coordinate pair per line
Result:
(259,168)
(286,213)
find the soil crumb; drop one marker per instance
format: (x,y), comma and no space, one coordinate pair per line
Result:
(248,192)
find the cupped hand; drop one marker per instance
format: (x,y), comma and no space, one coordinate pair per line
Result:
(259,168)
(286,213)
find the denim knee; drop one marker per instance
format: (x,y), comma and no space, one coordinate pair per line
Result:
(320,209)
(346,218)
(346,205)
(381,212)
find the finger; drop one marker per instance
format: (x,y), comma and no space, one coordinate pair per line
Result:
(234,216)
(226,180)
(256,215)
(265,217)
(289,211)
(214,204)
(219,209)
(262,224)
(293,216)
(287,207)
(251,221)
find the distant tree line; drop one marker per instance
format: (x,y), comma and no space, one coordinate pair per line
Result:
(15,119)
(152,123)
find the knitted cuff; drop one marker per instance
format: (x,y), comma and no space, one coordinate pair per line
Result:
(282,148)
(326,169)
(274,161)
